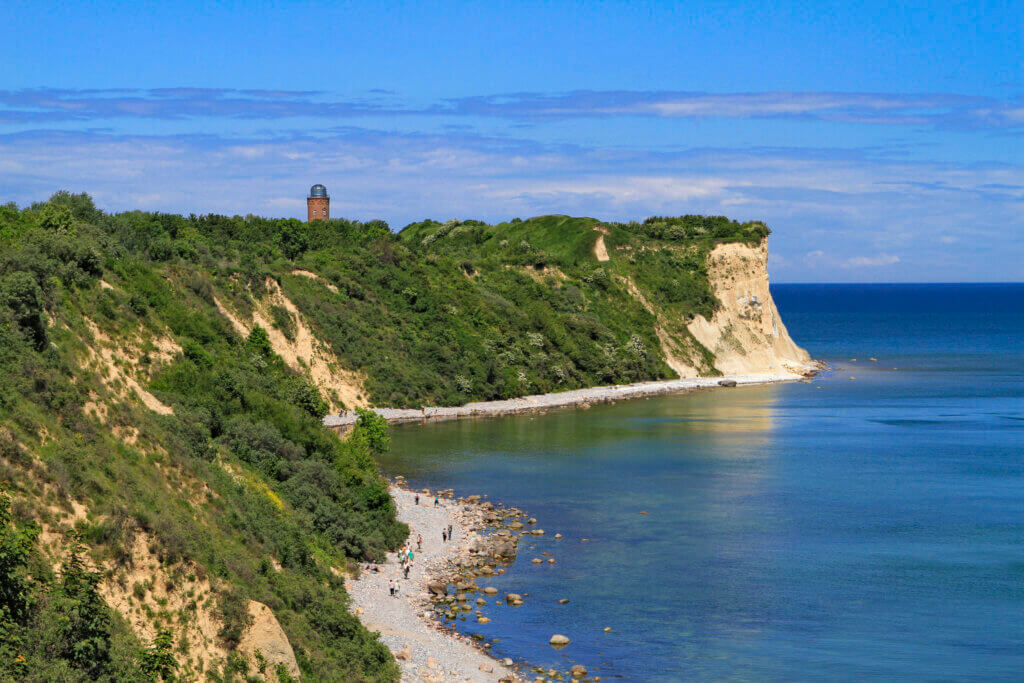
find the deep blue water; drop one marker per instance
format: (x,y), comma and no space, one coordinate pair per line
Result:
(838,529)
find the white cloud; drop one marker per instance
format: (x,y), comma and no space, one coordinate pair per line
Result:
(871,261)
(835,214)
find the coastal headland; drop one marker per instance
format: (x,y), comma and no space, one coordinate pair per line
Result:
(197,359)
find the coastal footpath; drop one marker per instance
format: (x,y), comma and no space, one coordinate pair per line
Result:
(580,397)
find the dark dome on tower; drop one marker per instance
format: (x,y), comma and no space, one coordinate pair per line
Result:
(318,190)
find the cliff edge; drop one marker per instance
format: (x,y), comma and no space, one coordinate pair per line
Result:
(746,335)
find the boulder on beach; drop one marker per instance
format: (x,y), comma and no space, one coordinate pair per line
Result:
(504,549)
(405,654)
(437,588)
(726,382)
(486,668)
(558,640)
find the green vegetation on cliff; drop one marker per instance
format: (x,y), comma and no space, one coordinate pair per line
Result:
(136,382)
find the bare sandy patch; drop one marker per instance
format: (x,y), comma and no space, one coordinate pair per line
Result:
(117,366)
(305,353)
(314,276)
(600,251)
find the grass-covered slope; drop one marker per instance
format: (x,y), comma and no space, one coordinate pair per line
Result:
(163,379)
(190,461)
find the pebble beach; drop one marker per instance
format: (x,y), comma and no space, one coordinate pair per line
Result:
(425,650)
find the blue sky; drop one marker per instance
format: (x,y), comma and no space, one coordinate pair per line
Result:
(881,142)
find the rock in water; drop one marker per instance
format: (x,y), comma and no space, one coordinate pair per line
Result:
(578,671)
(558,640)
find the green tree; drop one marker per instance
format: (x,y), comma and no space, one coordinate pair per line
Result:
(21,295)
(372,428)
(15,548)
(16,594)
(82,629)
(157,661)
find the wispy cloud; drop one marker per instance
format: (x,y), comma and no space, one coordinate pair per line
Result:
(872,261)
(836,212)
(936,110)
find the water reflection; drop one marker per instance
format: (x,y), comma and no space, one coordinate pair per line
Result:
(702,465)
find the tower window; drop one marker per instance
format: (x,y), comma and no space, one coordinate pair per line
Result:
(314,212)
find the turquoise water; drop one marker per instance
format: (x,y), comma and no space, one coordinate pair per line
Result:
(835,529)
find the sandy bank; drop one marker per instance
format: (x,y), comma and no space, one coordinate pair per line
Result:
(562,399)
(425,650)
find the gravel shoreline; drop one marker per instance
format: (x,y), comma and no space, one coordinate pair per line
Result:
(425,649)
(590,395)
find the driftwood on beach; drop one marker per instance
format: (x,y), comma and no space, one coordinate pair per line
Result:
(542,402)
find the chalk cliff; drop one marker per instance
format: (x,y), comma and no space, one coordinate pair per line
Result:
(746,335)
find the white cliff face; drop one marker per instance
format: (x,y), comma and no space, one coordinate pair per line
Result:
(746,335)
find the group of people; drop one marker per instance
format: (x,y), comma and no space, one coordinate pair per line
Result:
(406,555)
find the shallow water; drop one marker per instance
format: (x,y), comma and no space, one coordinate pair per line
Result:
(835,529)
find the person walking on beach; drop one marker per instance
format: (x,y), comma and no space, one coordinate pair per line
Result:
(444,535)
(391,587)
(417,499)
(449,532)
(419,543)
(408,566)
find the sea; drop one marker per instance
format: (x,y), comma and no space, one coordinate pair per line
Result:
(866,524)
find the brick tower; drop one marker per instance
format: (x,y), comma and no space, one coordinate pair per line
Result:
(318,204)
